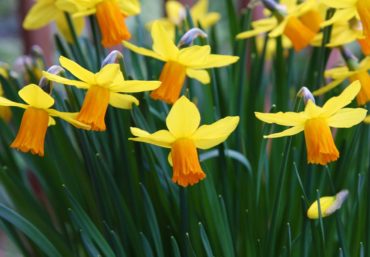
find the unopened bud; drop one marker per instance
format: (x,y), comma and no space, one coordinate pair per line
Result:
(112,57)
(188,38)
(44,83)
(306,94)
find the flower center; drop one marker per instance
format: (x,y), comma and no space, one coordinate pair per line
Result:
(319,142)
(363,9)
(172,78)
(301,31)
(31,134)
(186,167)
(94,108)
(364,95)
(112,23)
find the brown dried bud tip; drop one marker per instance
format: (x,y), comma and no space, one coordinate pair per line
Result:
(306,94)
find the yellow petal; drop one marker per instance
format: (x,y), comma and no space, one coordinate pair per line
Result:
(51,121)
(339,72)
(194,55)
(183,118)
(260,26)
(345,98)
(144,51)
(36,97)
(199,9)
(340,15)
(200,75)
(367,119)
(122,101)
(161,138)
(288,132)
(325,203)
(217,60)
(134,86)
(283,118)
(210,19)
(340,3)
(107,74)
(175,11)
(328,87)
(163,44)
(62,25)
(347,117)
(129,7)
(61,80)
(278,31)
(40,15)
(69,117)
(77,70)
(6,102)
(207,136)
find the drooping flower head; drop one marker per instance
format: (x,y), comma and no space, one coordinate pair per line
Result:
(328,205)
(111,15)
(316,121)
(356,72)
(44,12)
(104,88)
(189,61)
(299,23)
(184,136)
(37,117)
(176,13)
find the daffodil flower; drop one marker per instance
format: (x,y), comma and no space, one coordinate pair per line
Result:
(348,9)
(315,122)
(176,13)
(5,112)
(111,15)
(103,88)
(44,12)
(299,23)
(37,117)
(184,136)
(179,63)
(328,205)
(340,74)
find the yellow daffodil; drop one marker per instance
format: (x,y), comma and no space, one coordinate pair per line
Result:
(189,61)
(103,88)
(176,13)
(111,15)
(328,205)
(5,112)
(299,23)
(347,9)
(340,74)
(36,119)
(45,11)
(315,122)
(184,136)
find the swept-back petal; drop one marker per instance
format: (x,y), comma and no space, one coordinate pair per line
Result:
(207,136)
(347,117)
(278,31)
(199,9)
(62,25)
(163,44)
(183,118)
(288,132)
(328,87)
(339,72)
(174,11)
(70,117)
(161,138)
(210,19)
(338,102)
(216,60)
(194,55)
(61,80)
(122,101)
(40,14)
(107,74)
(144,51)
(260,26)
(340,3)
(36,97)
(6,102)
(129,7)
(340,15)
(133,86)
(283,118)
(200,75)
(77,70)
